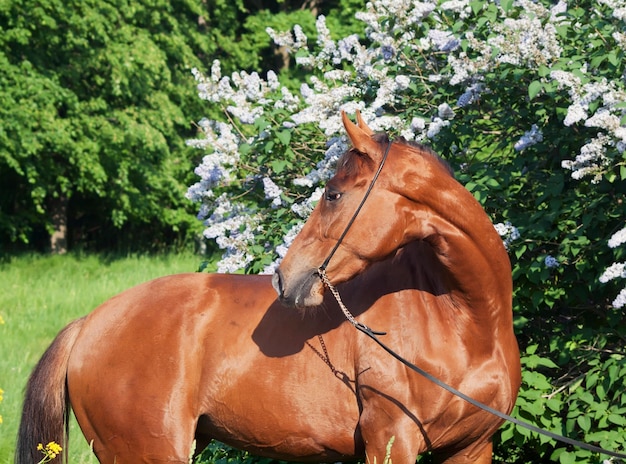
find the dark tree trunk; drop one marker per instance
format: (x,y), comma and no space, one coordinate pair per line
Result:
(58,212)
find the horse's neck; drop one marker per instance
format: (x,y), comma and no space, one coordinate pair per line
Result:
(471,253)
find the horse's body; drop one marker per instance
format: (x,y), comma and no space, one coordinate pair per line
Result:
(199,356)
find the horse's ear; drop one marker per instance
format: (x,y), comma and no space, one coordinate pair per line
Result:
(361,136)
(361,123)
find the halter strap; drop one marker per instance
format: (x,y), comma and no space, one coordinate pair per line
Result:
(324,265)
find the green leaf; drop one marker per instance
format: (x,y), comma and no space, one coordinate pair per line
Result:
(567,458)
(591,379)
(506,5)
(534,88)
(477,6)
(492,182)
(617,419)
(284,136)
(554,404)
(507,433)
(278,166)
(584,422)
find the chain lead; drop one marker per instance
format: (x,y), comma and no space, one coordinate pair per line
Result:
(346,312)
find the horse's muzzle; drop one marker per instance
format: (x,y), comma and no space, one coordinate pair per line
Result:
(302,292)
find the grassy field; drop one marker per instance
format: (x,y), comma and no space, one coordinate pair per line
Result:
(39,295)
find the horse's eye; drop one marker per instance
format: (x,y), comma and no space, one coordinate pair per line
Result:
(332,196)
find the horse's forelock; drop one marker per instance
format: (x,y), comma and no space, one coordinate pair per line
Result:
(352,161)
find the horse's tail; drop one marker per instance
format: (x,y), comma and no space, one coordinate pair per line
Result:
(46,401)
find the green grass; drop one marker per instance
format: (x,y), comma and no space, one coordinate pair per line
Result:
(39,295)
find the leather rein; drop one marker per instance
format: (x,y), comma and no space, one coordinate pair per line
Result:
(375,334)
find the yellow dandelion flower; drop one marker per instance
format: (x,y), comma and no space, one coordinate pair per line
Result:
(1,320)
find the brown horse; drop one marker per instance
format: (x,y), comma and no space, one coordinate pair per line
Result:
(206,357)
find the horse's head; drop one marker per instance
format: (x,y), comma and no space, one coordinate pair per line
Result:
(380,228)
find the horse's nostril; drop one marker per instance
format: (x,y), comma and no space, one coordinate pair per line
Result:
(277,282)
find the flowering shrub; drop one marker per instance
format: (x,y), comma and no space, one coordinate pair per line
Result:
(527,101)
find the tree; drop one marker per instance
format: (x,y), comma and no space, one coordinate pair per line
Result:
(95,99)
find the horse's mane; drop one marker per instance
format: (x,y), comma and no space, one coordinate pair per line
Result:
(352,159)
(426,150)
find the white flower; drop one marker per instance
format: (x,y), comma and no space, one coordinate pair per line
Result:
(575,113)
(443,40)
(435,127)
(374,76)
(557,11)
(462,7)
(304,208)
(567,79)
(445,112)
(402,82)
(526,41)
(614,271)
(603,119)
(272,191)
(281,250)
(591,161)
(418,125)
(464,69)
(508,232)
(620,300)
(618,238)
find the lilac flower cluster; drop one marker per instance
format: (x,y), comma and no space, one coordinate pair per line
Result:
(529,138)
(616,270)
(508,232)
(609,97)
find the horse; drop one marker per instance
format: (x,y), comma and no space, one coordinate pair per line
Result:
(269,364)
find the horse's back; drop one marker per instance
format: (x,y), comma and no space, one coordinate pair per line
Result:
(161,321)
(138,362)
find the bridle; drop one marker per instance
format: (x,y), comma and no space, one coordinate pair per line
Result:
(321,271)
(324,265)
(374,336)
